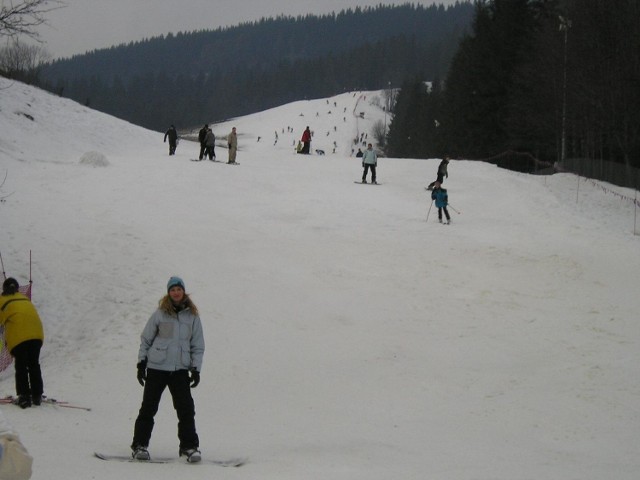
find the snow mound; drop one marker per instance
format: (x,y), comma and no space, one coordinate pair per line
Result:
(94,159)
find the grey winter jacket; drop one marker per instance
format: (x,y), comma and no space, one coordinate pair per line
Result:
(172,342)
(369,157)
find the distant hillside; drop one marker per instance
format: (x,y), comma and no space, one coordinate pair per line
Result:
(190,78)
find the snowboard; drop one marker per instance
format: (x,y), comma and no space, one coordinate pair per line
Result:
(368,183)
(233,462)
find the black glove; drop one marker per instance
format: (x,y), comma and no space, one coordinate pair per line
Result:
(194,377)
(142,372)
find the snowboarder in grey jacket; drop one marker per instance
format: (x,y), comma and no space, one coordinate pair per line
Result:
(369,162)
(170,355)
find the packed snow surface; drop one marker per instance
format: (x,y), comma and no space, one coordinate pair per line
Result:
(348,338)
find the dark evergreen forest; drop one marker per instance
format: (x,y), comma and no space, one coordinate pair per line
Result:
(538,80)
(187,79)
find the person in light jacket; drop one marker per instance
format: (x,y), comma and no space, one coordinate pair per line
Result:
(170,355)
(23,334)
(369,161)
(15,461)
(232,143)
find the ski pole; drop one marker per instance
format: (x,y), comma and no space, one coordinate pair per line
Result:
(429,210)
(451,207)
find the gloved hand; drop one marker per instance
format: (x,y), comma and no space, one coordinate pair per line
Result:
(194,377)
(142,372)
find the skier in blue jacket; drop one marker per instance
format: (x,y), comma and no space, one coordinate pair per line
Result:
(441,197)
(170,355)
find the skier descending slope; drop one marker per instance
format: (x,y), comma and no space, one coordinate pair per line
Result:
(170,355)
(441,197)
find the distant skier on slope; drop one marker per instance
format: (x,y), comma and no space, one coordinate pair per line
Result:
(306,141)
(232,143)
(202,134)
(173,139)
(442,173)
(210,144)
(441,198)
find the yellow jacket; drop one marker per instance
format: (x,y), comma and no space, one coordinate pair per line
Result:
(20,320)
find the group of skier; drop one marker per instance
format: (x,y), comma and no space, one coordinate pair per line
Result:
(369,157)
(207,141)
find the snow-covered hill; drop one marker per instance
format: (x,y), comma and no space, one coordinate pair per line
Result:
(347,337)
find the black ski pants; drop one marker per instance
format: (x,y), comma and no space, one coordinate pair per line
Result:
(446,213)
(179,387)
(368,166)
(27,365)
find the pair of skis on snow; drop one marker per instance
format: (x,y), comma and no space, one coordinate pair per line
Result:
(11,400)
(213,161)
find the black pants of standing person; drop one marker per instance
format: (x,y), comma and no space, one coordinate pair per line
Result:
(179,387)
(28,374)
(203,149)
(210,152)
(446,214)
(368,166)
(172,147)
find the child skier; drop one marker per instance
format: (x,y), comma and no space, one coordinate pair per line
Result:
(441,198)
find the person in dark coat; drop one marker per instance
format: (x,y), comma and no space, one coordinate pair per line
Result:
(210,144)
(441,198)
(173,139)
(442,173)
(202,134)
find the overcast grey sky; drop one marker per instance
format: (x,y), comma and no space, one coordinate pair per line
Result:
(85,25)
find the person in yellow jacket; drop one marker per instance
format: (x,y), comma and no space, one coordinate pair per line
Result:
(23,334)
